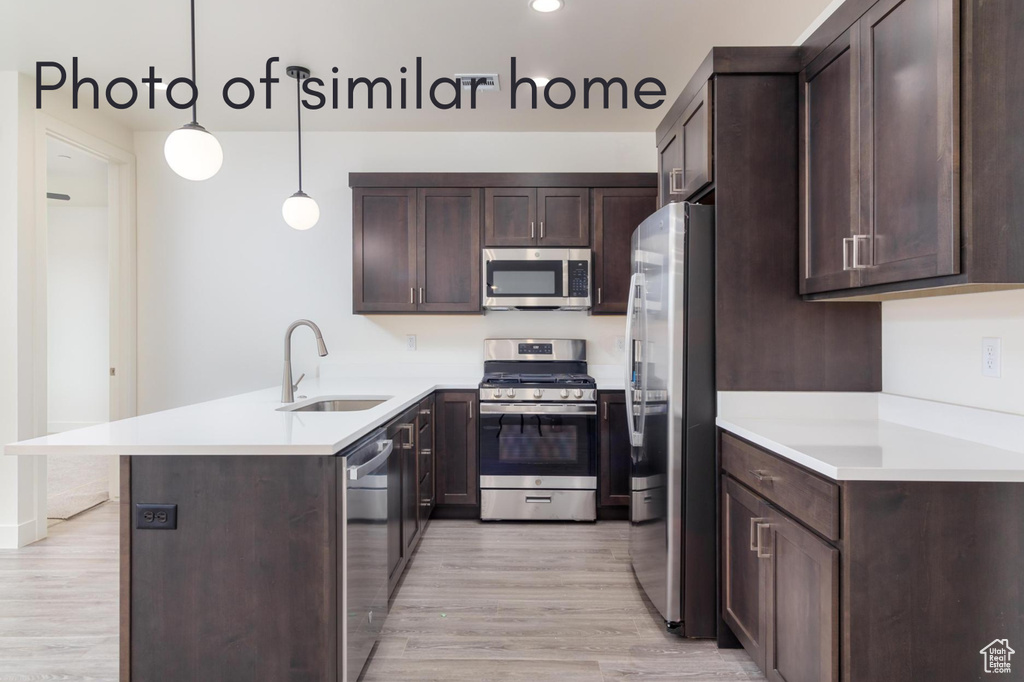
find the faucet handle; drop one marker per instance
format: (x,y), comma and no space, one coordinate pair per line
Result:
(298,381)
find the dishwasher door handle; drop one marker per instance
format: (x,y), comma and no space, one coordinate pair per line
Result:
(386,448)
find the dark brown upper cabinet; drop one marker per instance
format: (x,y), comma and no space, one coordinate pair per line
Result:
(685,159)
(563,216)
(525,216)
(384,249)
(510,216)
(416,250)
(617,213)
(919,93)
(829,155)
(448,250)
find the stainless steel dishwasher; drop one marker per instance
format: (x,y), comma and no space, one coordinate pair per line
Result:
(364,590)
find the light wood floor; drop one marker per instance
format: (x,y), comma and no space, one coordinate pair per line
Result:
(534,602)
(518,602)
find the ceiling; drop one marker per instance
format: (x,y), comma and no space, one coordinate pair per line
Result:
(633,39)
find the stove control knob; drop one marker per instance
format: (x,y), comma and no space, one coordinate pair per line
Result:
(565,393)
(578,393)
(537,393)
(497,393)
(511,392)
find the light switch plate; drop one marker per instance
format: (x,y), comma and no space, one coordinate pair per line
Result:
(992,357)
(620,344)
(410,342)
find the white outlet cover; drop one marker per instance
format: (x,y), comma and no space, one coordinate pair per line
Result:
(992,357)
(410,342)
(620,344)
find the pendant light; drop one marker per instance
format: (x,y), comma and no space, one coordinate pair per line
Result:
(300,211)
(191,151)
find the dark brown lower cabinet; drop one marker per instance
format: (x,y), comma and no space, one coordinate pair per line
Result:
(780,589)
(425,459)
(802,601)
(743,572)
(613,451)
(455,425)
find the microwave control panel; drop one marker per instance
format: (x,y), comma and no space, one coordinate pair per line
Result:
(579,279)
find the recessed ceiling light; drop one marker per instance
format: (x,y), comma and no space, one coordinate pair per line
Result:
(547,5)
(541,81)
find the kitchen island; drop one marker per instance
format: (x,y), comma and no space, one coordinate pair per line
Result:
(871,536)
(245,580)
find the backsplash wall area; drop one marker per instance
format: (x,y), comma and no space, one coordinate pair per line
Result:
(931,348)
(221,276)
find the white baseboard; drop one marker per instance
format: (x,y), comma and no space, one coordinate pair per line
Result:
(15,536)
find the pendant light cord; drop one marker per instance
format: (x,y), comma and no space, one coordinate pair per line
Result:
(298,106)
(194,85)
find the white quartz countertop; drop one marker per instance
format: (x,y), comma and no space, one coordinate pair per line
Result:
(251,423)
(879,437)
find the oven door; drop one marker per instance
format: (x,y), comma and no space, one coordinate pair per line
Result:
(521,443)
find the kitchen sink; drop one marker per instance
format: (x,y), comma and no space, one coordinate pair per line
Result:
(338,405)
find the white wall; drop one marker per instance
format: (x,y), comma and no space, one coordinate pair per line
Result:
(221,276)
(931,348)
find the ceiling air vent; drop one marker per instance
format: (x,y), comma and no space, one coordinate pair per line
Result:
(490,81)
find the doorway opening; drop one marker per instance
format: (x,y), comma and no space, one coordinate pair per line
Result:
(80,246)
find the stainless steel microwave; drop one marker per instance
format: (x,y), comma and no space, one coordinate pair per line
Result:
(537,279)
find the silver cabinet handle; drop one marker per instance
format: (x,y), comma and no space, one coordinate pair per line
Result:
(421,294)
(425,451)
(538,499)
(754,520)
(412,295)
(606,411)
(761,476)
(599,295)
(847,242)
(408,445)
(532,230)
(857,239)
(762,553)
(425,412)
(672,175)
(542,229)
(471,411)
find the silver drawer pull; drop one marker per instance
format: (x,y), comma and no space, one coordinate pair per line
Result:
(648,499)
(538,499)
(762,553)
(761,476)
(754,520)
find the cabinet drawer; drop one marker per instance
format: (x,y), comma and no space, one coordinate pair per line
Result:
(427,490)
(811,499)
(426,463)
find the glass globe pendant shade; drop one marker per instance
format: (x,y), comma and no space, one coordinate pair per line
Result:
(300,211)
(193,153)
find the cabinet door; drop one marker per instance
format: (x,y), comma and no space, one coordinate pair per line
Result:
(910,137)
(384,250)
(563,217)
(448,235)
(670,166)
(395,544)
(802,603)
(410,491)
(614,451)
(829,162)
(697,143)
(743,573)
(617,212)
(455,438)
(510,216)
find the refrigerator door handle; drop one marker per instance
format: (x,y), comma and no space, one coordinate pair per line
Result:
(629,377)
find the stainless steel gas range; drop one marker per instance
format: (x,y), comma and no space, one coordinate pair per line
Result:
(538,431)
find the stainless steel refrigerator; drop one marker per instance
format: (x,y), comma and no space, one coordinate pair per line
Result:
(670,407)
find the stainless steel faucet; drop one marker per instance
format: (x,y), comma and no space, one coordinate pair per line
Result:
(288,388)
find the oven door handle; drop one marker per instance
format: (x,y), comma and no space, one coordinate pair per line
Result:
(575,409)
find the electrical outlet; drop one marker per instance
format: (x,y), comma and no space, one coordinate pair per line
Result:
(991,357)
(620,344)
(156,516)
(410,342)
